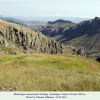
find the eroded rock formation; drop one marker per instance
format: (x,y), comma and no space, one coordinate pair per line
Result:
(30,41)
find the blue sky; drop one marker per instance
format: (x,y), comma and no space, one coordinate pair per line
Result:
(68,8)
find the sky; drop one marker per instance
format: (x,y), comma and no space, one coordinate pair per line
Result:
(68,8)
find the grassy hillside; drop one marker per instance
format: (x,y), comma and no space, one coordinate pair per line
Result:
(44,72)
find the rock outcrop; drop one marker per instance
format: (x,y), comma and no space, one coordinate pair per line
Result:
(30,41)
(79,51)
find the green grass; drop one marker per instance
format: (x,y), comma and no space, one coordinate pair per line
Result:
(5,49)
(45,72)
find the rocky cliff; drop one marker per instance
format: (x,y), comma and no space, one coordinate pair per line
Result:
(15,36)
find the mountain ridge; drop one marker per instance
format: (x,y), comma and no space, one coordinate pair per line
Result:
(84,34)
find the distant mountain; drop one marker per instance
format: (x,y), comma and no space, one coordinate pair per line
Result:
(15,38)
(60,23)
(36,22)
(84,34)
(50,18)
(23,22)
(54,27)
(14,20)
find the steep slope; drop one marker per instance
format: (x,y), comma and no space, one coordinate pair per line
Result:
(15,37)
(85,34)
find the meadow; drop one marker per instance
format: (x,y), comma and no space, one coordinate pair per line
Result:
(45,72)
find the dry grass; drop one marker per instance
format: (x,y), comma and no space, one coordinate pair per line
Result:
(44,72)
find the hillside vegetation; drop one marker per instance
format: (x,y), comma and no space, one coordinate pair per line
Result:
(45,72)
